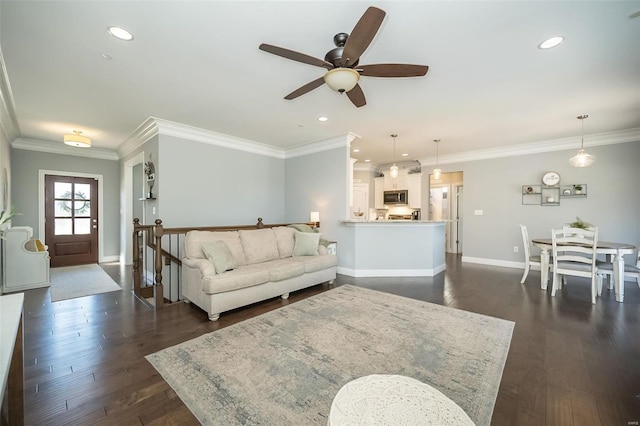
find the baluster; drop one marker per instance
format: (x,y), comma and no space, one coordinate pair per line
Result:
(136,257)
(158,288)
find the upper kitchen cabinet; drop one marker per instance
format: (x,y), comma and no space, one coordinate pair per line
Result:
(414,183)
(400,182)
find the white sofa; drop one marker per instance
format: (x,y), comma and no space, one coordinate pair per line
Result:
(25,260)
(262,263)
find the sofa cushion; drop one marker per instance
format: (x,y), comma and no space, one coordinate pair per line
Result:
(306,244)
(317,263)
(284,240)
(242,277)
(259,245)
(194,239)
(283,269)
(219,254)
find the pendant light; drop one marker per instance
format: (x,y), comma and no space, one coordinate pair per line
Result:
(437,172)
(394,169)
(582,159)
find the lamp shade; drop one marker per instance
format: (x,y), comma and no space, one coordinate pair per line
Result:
(314,217)
(393,170)
(436,173)
(77,140)
(342,79)
(582,159)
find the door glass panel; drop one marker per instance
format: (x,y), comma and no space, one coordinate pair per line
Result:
(82,208)
(83,226)
(63,208)
(83,191)
(62,190)
(62,227)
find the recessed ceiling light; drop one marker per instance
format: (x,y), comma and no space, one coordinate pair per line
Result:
(405,155)
(120,33)
(356,150)
(322,118)
(367,161)
(551,42)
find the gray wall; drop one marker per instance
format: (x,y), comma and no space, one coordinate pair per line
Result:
(318,182)
(201,184)
(25,165)
(494,186)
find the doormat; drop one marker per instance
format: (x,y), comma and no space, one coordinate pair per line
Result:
(70,282)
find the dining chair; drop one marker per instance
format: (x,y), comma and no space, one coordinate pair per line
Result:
(528,258)
(574,253)
(632,271)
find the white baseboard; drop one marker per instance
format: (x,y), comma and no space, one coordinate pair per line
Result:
(392,272)
(496,262)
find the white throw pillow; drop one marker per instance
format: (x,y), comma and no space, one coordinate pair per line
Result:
(219,254)
(306,244)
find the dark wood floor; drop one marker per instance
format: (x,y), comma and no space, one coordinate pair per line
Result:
(570,363)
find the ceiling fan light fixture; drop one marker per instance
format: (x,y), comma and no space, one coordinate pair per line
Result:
(582,158)
(342,79)
(77,140)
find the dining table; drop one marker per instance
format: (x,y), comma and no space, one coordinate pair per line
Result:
(614,253)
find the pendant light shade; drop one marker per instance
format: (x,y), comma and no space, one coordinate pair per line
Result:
(437,172)
(77,140)
(393,170)
(582,158)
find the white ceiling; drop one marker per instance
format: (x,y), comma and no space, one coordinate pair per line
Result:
(198,63)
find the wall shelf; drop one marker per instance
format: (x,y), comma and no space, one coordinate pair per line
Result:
(542,195)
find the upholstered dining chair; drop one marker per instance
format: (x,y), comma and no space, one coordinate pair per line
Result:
(528,258)
(574,253)
(632,271)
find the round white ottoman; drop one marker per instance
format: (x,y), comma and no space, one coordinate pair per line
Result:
(382,399)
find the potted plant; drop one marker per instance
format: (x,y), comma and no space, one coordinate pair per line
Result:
(579,223)
(577,189)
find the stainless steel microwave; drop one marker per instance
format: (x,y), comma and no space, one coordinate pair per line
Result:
(396,197)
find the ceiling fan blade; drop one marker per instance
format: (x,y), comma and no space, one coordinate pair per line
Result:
(393,70)
(356,95)
(305,89)
(295,56)
(362,35)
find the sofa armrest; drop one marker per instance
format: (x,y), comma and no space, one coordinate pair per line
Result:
(204,265)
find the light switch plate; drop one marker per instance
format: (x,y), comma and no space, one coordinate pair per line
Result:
(478,212)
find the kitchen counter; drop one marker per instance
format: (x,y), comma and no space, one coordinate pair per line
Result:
(392,248)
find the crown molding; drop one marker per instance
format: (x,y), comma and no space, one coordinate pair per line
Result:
(341,141)
(145,131)
(8,121)
(59,148)
(562,144)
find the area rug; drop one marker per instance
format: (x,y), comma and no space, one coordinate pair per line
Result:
(70,282)
(285,367)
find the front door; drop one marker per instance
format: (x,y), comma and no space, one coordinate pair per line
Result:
(71,220)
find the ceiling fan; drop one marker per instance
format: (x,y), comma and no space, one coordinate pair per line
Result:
(341,62)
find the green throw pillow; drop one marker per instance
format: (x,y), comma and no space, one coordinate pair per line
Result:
(306,244)
(219,254)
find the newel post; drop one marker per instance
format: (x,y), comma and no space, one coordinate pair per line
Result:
(158,291)
(136,257)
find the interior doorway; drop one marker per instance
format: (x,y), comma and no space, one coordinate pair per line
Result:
(71,220)
(445,204)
